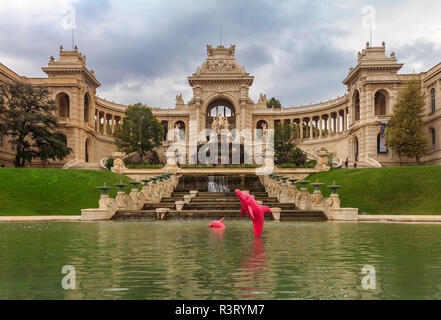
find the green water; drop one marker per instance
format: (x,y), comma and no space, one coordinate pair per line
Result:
(187,260)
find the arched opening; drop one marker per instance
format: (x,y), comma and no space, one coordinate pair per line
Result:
(86,151)
(261,128)
(433,137)
(86,107)
(63,138)
(63,102)
(164,125)
(356,104)
(432,99)
(180,130)
(380,103)
(221,110)
(356,150)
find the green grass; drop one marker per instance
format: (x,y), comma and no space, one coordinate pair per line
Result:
(396,190)
(25,192)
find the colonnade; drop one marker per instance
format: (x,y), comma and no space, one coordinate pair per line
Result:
(106,123)
(320,125)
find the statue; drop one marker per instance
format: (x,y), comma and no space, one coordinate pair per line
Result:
(264,127)
(179,99)
(262,98)
(176,132)
(220,123)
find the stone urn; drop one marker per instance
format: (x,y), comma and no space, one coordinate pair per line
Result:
(193,193)
(322,163)
(187,198)
(276,213)
(179,205)
(161,213)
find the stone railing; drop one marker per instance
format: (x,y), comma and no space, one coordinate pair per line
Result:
(71,163)
(373,162)
(286,191)
(153,190)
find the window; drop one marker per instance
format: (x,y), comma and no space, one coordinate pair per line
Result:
(433,136)
(380,104)
(432,99)
(86,108)
(357,106)
(63,103)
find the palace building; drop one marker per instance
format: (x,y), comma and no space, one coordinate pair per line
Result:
(352,126)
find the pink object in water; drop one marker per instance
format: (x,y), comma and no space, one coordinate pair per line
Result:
(217,224)
(254,210)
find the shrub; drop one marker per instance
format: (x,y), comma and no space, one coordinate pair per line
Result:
(109,163)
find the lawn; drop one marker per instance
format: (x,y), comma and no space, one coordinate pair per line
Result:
(52,191)
(396,190)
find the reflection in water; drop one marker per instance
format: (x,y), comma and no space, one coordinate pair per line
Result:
(188,260)
(253,271)
(217,233)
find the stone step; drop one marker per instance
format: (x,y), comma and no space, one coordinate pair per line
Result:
(230,205)
(218,194)
(290,215)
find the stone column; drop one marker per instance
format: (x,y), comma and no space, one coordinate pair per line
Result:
(113,124)
(301,128)
(105,124)
(334,129)
(338,121)
(320,126)
(311,128)
(96,119)
(345,119)
(329,124)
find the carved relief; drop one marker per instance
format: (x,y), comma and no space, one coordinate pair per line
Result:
(219,65)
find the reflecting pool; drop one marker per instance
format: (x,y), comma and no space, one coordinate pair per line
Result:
(187,260)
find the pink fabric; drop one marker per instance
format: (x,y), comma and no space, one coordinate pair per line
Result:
(254,210)
(217,224)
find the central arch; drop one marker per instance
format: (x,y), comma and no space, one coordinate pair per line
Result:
(221,106)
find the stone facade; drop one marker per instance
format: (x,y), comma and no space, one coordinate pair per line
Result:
(350,125)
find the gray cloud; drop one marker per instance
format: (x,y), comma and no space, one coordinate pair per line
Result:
(143,51)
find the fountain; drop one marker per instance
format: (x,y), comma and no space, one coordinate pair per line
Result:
(121,186)
(104,189)
(218,184)
(334,188)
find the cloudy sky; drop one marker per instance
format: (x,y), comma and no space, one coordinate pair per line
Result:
(298,51)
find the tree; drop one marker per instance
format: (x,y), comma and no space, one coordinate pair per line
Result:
(273,103)
(27,115)
(140,131)
(284,144)
(405,129)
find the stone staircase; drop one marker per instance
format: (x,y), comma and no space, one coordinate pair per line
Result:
(215,205)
